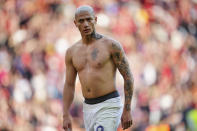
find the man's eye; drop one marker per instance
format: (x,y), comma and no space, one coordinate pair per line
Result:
(81,21)
(88,19)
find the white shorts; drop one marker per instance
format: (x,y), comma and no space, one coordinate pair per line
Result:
(104,116)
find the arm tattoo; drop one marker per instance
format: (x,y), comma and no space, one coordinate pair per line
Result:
(128,107)
(128,87)
(117,55)
(94,53)
(123,66)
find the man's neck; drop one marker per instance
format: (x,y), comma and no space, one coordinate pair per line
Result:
(90,38)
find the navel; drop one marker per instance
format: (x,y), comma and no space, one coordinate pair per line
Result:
(99,64)
(88,90)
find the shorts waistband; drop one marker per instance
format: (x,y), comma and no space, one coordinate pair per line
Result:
(101,98)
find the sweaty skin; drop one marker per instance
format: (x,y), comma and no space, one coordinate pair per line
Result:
(95,59)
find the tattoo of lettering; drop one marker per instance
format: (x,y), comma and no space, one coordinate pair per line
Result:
(96,36)
(94,54)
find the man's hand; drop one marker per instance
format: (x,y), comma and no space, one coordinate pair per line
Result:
(67,125)
(126,119)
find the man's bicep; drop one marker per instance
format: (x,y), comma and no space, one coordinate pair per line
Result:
(123,68)
(71,72)
(120,60)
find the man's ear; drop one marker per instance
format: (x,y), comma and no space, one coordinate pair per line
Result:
(75,23)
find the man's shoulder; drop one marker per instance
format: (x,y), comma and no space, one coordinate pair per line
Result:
(108,38)
(74,46)
(111,42)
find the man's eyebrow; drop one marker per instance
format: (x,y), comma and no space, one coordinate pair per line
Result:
(89,18)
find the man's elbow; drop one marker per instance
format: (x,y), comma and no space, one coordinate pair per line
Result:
(69,88)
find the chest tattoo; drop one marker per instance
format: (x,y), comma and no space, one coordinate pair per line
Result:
(94,53)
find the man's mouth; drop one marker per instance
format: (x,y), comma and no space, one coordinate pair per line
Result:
(86,30)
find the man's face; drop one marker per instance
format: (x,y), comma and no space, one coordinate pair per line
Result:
(85,22)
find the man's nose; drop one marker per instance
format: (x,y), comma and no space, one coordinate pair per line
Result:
(85,23)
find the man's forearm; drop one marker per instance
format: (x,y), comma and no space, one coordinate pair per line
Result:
(128,90)
(68,95)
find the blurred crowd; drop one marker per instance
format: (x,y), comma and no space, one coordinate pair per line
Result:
(158,36)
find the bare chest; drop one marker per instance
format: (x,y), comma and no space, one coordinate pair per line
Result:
(90,57)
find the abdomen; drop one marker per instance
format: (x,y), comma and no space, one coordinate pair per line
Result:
(97,82)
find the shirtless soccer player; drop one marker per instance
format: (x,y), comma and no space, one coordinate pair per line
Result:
(95,59)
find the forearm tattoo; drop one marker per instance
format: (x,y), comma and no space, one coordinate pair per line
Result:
(128,107)
(123,66)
